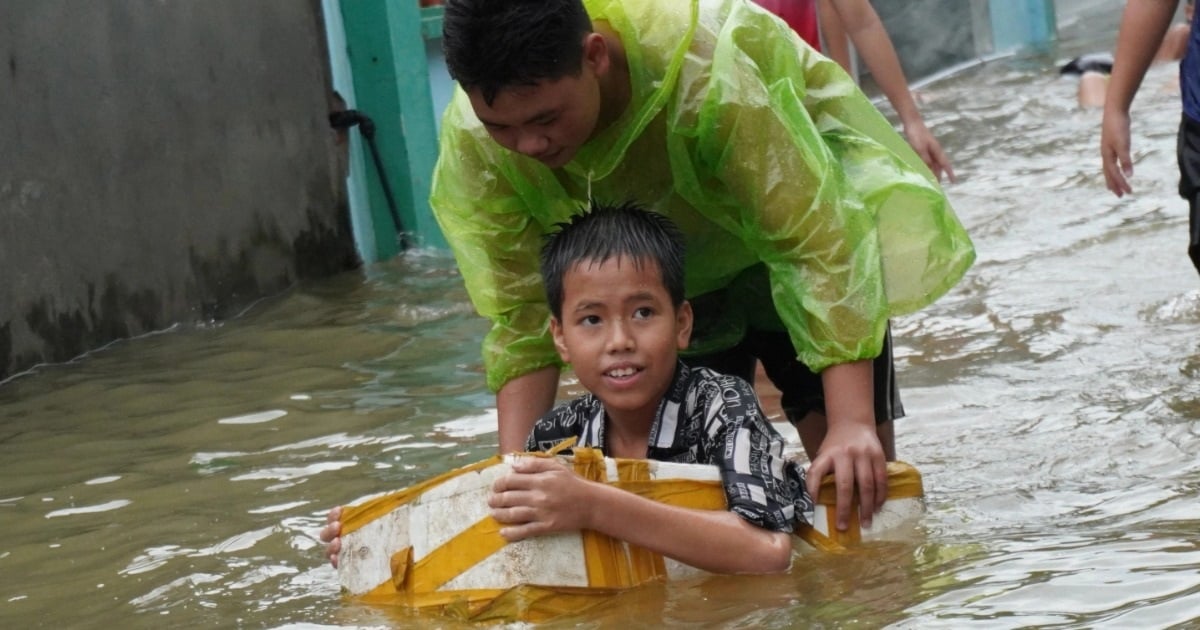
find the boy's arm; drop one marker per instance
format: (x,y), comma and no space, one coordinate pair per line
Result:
(851,449)
(542,497)
(1142,28)
(862,24)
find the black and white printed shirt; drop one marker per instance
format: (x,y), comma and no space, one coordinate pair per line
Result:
(705,418)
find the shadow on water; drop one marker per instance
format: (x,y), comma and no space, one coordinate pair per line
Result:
(180,479)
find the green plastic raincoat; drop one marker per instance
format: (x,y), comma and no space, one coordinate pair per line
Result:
(802,206)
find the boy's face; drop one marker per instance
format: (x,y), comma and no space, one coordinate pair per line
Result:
(547,121)
(621,334)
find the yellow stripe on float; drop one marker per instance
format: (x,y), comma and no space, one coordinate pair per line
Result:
(603,556)
(904,482)
(645,565)
(465,550)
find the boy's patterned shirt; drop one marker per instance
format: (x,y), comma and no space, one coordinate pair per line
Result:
(705,418)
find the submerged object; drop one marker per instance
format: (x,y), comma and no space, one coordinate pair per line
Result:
(1091,62)
(434,547)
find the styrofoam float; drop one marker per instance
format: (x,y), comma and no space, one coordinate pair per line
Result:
(434,546)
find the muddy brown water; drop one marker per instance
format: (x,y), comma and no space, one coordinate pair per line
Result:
(179,480)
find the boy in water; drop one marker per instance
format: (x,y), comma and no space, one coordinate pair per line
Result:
(1094,69)
(810,222)
(614,281)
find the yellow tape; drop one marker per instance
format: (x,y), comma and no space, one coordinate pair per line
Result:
(817,540)
(904,482)
(465,550)
(689,493)
(401,565)
(537,604)
(603,556)
(644,564)
(611,564)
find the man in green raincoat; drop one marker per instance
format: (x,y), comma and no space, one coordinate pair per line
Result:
(809,220)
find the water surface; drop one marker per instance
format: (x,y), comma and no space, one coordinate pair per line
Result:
(180,479)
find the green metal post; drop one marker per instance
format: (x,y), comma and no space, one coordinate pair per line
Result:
(391,86)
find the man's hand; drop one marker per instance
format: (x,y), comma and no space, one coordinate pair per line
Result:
(852,452)
(540,496)
(331,535)
(1114,151)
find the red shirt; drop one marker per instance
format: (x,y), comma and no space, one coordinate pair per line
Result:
(801,15)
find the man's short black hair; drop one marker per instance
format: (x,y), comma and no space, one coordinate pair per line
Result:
(605,232)
(495,44)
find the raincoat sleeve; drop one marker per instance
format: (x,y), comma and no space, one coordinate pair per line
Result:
(496,242)
(810,168)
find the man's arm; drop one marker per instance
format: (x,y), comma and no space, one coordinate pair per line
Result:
(542,497)
(851,449)
(1142,28)
(862,24)
(520,402)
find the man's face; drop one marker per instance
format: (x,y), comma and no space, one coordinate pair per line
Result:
(547,121)
(621,334)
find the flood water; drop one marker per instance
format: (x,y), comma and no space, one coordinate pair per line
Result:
(179,480)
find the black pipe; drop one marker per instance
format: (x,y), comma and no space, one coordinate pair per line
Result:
(351,117)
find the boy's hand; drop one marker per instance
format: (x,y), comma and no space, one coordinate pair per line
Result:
(853,454)
(331,535)
(540,496)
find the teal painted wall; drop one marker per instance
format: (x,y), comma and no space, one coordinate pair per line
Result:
(1021,23)
(386,51)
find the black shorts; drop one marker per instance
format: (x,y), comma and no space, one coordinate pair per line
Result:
(801,388)
(1188,150)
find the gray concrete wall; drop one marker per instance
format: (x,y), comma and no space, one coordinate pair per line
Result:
(160,162)
(930,35)
(1073,14)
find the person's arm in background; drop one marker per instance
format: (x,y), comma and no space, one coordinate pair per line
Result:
(1142,28)
(864,28)
(833,36)
(1175,42)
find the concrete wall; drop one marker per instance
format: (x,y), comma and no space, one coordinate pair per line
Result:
(930,35)
(160,162)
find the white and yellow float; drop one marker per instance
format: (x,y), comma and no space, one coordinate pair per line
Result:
(434,547)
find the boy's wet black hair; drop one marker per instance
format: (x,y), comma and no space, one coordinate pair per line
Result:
(605,232)
(495,44)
